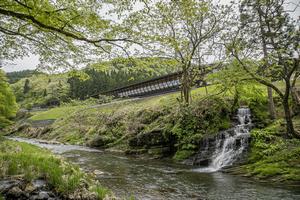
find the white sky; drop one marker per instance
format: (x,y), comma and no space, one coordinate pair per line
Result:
(32,61)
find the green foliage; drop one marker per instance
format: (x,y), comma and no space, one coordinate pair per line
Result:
(63,33)
(183,154)
(201,118)
(260,112)
(272,156)
(101,192)
(19,158)
(233,81)
(8,106)
(102,99)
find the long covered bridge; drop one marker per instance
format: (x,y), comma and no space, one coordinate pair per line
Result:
(159,85)
(162,84)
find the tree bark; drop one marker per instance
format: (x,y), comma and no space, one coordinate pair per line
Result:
(186,88)
(186,91)
(271,105)
(290,131)
(205,85)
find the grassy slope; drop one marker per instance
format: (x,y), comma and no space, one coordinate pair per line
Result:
(145,103)
(31,162)
(85,122)
(55,113)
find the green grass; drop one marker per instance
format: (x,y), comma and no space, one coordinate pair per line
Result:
(272,156)
(31,162)
(55,113)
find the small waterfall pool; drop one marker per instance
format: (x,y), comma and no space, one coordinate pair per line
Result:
(231,145)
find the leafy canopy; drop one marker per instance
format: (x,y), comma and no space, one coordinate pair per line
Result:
(64,33)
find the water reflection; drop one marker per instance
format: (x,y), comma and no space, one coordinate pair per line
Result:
(153,179)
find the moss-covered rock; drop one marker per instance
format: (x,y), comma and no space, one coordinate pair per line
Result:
(100,141)
(272,156)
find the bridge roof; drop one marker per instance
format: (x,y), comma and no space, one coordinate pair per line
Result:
(163,77)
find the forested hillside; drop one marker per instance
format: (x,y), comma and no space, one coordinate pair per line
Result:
(41,90)
(14,77)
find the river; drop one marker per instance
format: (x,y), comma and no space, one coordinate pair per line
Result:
(163,179)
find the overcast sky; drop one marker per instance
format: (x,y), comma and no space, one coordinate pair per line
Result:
(32,61)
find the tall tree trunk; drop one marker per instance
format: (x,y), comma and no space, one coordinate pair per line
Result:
(296,101)
(290,131)
(187,94)
(271,105)
(205,85)
(186,88)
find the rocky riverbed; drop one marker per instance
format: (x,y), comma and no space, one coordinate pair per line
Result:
(17,188)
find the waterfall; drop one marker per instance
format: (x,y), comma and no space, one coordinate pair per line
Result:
(230,145)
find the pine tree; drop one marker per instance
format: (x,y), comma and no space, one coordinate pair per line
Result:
(26,87)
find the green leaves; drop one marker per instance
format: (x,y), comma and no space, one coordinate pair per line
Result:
(8,106)
(64,33)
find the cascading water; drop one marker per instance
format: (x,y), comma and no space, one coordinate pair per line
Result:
(230,145)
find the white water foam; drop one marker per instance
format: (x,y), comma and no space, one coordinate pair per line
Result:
(227,151)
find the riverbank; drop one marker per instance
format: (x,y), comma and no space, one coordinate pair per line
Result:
(131,177)
(30,171)
(161,127)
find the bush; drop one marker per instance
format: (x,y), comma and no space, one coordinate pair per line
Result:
(200,118)
(183,154)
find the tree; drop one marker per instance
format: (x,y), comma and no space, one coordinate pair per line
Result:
(45,92)
(185,30)
(26,87)
(8,106)
(62,32)
(268,49)
(252,19)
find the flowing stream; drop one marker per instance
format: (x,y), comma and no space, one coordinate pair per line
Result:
(147,179)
